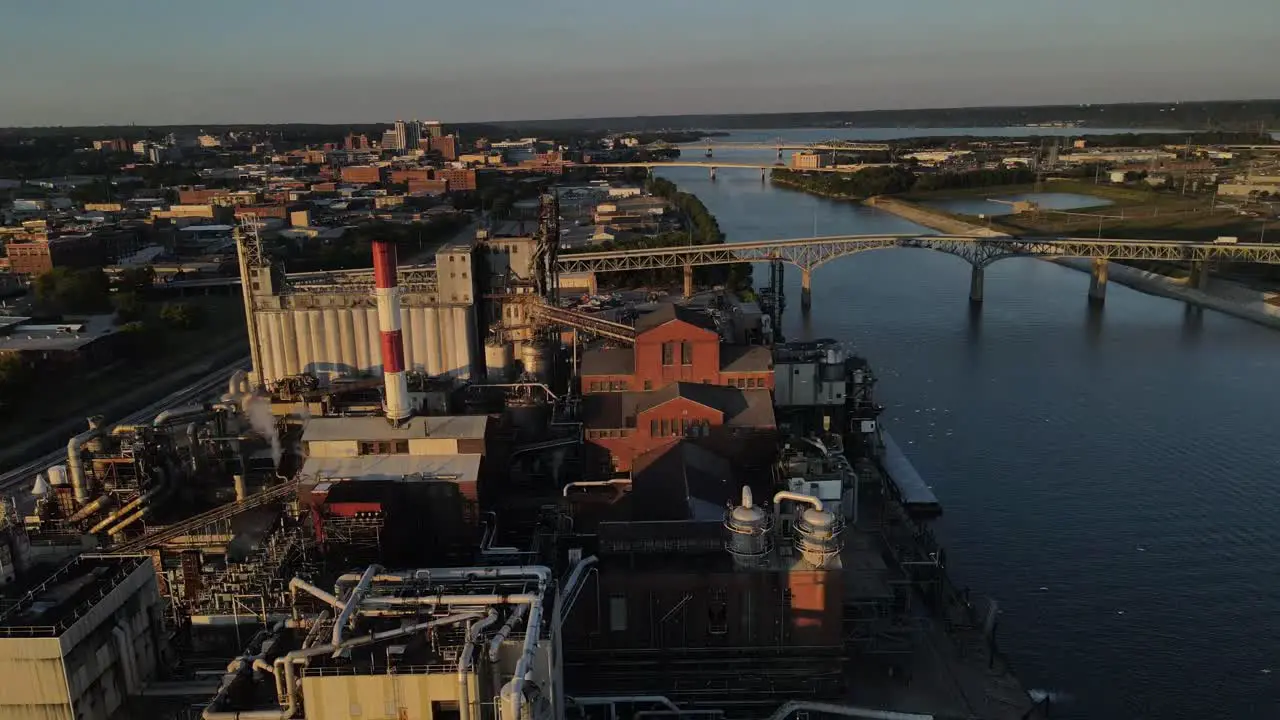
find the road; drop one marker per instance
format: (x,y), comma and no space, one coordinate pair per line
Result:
(213,384)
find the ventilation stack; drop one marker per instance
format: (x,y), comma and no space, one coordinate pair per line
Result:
(388,295)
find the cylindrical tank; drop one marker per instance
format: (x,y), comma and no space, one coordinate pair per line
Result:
(58,475)
(360,337)
(289,343)
(818,537)
(279,343)
(332,343)
(347,340)
(462,341)
(315,321)
(749,539)
(418,319)
(374,341)
(434,361)
(446,342)
(536,358)
(530,416)
(498,359)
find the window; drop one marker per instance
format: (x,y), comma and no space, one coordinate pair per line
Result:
(666,426)
(684,426)
(675,428)
(668,353)
(648,384)
(617,613)
(595,387)
(653,428)
(686,353)
(718,612)
(706,428)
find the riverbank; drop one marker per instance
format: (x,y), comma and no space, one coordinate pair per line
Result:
(1222,295)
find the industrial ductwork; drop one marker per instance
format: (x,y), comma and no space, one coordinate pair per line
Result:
(75,467)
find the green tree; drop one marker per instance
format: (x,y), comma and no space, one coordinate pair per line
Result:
(16,378)
(182,316)
(128,307)
(136,279)
(72,290)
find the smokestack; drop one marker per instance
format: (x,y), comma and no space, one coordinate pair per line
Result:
(384,277)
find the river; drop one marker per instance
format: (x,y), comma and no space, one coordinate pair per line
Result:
(1110,476)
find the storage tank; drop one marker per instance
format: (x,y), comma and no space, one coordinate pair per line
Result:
(529,415)
(58,475)
(750,538)
(818,537)
(498,359)
(360,336)
(536,358)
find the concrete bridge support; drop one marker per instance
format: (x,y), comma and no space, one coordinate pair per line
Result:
(1098,281)
(708,152)
(1199,275)
(688,281)
(713,172)
(976,279)
(763,174)
(806,289)
(779,154)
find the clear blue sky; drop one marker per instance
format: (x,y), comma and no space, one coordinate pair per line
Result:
(82,62)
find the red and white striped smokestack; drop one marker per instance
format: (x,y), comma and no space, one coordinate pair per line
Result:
(384,280)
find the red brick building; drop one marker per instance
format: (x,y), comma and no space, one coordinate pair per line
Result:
(367,174)
(678,381)
(673,343)
(428,187)
(198,195)
(406,175)
(280,210)
(458,179)
(446,145)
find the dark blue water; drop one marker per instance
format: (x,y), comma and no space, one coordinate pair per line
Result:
(1125,460)
(982,205)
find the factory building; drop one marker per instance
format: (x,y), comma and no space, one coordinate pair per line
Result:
(329,329)
(79,643)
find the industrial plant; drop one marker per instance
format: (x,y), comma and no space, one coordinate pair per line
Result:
(440,493)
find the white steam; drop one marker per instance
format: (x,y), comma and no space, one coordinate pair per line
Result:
(258,410)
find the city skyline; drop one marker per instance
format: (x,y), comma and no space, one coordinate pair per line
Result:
(147,63)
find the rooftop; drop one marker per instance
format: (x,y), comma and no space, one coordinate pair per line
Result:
(50,608)
(608,361)
(745,358)
(375,427)
(741,408)
(681,481)
(667,312)
(70,335)
(408,468)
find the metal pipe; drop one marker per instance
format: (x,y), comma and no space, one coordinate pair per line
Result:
(297,584)
(541,572)
(525,663)
(89,509)
(284,667)
(846,710)
(75,467)
(595,483)
(123,511)
(495,645)
(179,413)
(465,662)
(353,601)
(238,384)
(377,602)
(260,663)
(796,497)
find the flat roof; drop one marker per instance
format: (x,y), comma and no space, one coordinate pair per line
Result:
(207,228)
(406,468)
(745,358)
(374,427)
(609,361)
(52,606)
(916,496)
(70,335)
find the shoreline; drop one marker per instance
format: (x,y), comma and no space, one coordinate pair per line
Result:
(1223,296)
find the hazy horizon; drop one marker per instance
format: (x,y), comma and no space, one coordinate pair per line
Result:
(79,63)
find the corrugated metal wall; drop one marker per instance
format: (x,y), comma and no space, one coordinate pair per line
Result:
(336,342)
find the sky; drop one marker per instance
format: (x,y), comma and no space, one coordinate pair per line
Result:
(90,62)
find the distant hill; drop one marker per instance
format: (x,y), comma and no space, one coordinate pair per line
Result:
(1249,115)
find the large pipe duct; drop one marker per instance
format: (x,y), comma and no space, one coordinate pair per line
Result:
(353,601)
(388,297)
(173,415)
(466,663)
(75,466)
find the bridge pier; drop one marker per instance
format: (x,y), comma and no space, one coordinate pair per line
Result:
(976,279)
(779,154)
(763,175)
(1098,281)
(713,172)
(688,281)
(1199,275)
(806,290)
(708,151)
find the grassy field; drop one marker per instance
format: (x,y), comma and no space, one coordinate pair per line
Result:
(221,335)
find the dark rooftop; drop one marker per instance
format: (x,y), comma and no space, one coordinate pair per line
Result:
(745,358)
(609,361)
(52,606)
(667,479)
(741,408)
(666,312)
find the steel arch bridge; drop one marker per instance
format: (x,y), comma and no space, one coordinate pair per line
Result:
(978,250)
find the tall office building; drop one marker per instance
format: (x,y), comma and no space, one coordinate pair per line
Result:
(395,136)
(412,135)
(434,128)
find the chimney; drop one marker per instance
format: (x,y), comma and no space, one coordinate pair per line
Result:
(388,295)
